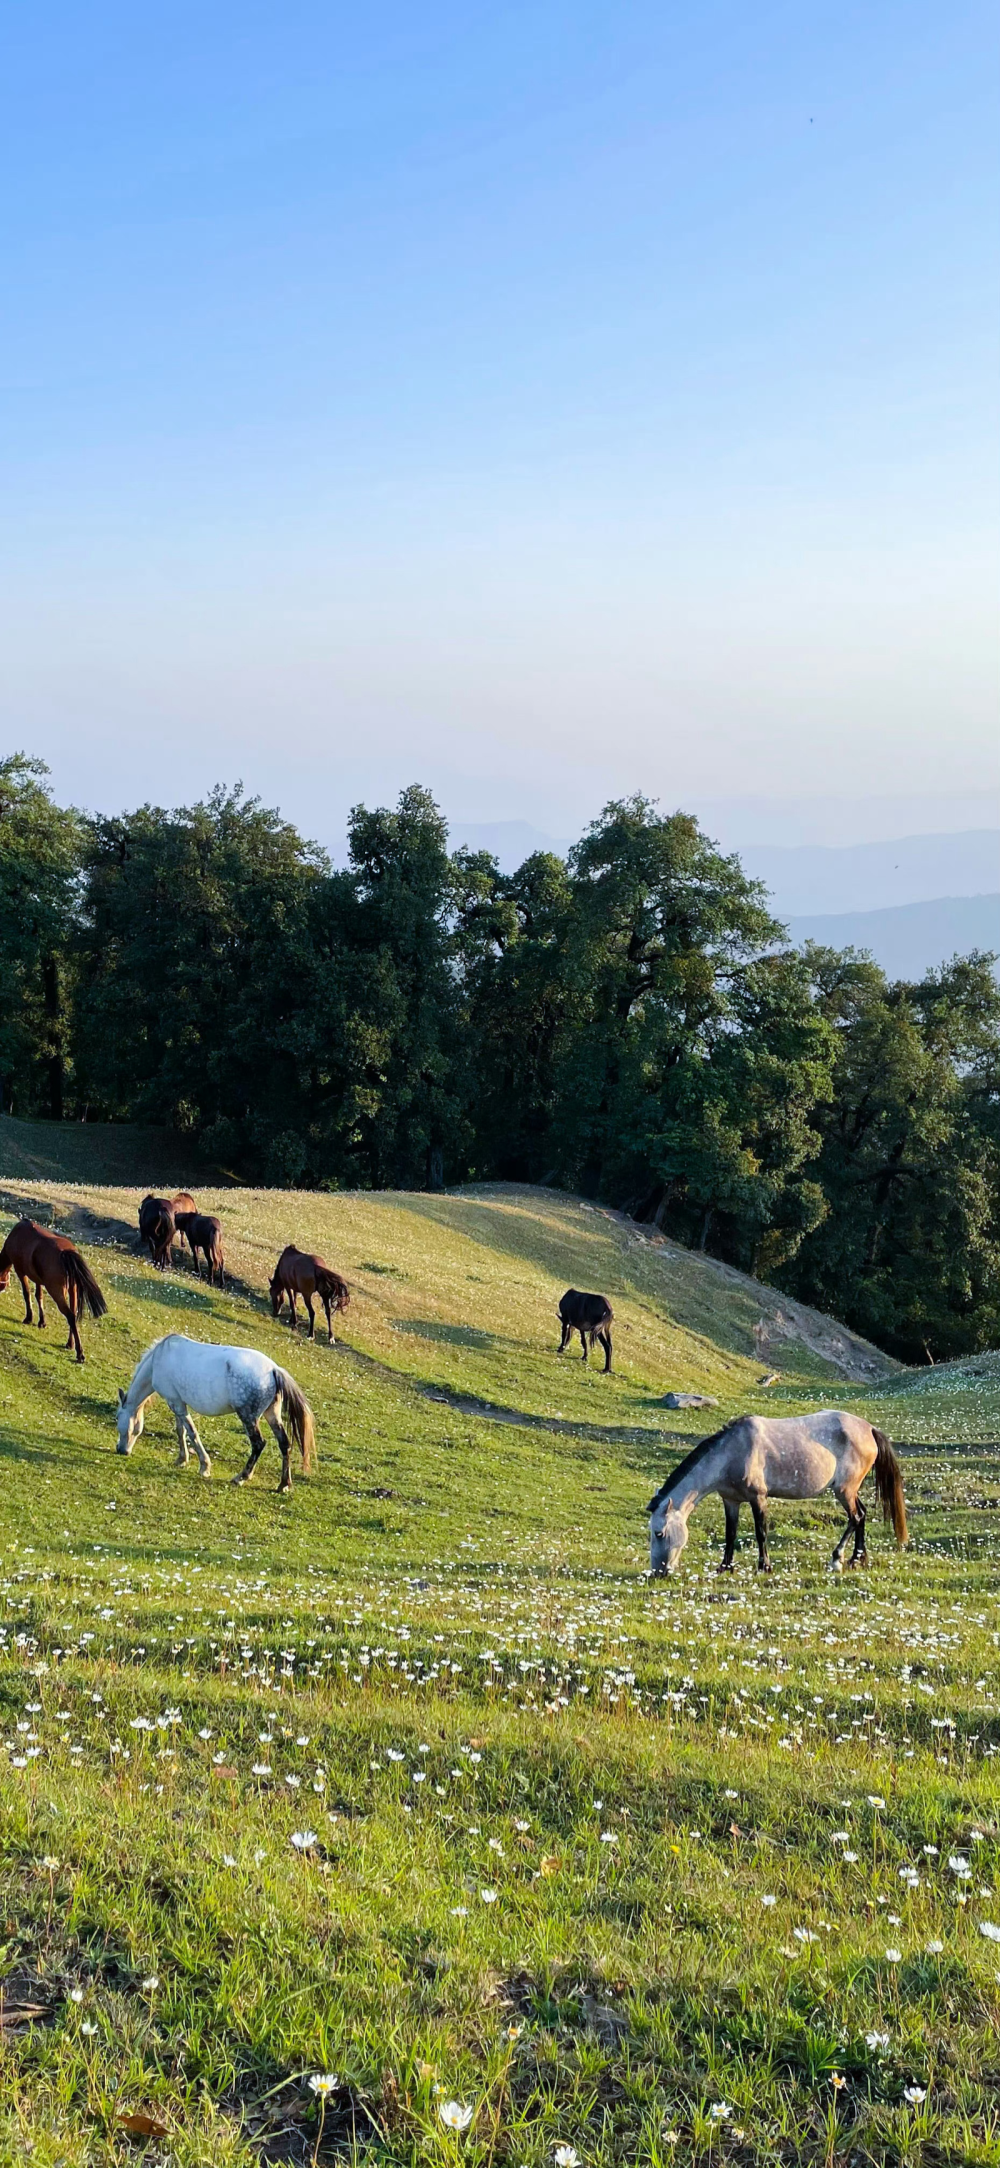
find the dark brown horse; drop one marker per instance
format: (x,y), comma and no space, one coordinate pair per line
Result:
(156,1227)
(204,1232)
(43,1259)
(296,1273)
(159,1221)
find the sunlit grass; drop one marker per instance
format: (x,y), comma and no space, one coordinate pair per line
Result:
(541,1803)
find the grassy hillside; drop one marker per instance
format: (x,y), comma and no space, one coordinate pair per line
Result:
(414,1779)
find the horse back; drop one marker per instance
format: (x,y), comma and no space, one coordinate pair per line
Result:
(586,1310)
(31,1248)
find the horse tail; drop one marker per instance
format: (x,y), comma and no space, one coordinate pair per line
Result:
(889,1486)
(83,1285)
(300,1417)
(333,1289)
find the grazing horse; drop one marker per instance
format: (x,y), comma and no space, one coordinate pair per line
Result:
(760,1457)
(53,1262)
(218,1381)
(204,1232)
(589,1315)
(157,1228)
(298,1273)
(183,1202)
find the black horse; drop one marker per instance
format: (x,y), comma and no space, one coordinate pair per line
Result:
(589,1315)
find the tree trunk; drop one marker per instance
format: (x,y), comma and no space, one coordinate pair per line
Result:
(706,1227)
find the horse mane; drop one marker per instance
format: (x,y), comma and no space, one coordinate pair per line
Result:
(690,1461)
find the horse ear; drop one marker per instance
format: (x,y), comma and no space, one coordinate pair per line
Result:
(121,1397)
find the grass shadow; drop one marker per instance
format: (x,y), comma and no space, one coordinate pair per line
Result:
(169,1294)
(427,1328)
(15,1449)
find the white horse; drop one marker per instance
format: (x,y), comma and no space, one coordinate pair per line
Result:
(759,1457)
(218,1381)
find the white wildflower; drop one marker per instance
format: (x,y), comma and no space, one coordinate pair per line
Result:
(454,2115)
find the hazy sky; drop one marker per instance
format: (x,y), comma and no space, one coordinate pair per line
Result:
(545,401)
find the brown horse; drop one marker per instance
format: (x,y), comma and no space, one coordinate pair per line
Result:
(156,1227)
(298,1273)
(204,1232)
(159,1221)
(180,1206)
(51,1261)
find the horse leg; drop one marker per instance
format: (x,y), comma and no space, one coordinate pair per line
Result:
(583,1342)
(329,1318)
(220,1261)
(293,1304)
(605,1340)
(38,1299)
(731,1509)
(859,1555)
(70,1308)
(311,1314)
(274,1423)
(29,1315)
(251,1425)
(855,1526)
(567,1334)
(204,1463)
(758,1507)
(183,1456)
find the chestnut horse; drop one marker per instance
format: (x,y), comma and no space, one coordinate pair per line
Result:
(204,1232)
(51,1261)
(298,1273)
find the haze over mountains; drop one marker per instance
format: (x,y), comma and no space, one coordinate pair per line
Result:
(913,902)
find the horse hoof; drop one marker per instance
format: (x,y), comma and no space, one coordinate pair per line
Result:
(725,1569)
(836,1565)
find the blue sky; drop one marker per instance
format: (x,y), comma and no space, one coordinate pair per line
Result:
(545,402)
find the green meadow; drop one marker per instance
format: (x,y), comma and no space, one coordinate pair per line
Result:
(414,1783)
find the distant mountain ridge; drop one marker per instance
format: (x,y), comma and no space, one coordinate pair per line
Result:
(876,876)
(909,938)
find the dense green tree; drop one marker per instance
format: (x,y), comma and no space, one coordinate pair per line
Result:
(513,938)
(197,971)
(909,1249)
(40,846)
(402,1023)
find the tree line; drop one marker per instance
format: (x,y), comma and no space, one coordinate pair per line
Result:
(630,1024)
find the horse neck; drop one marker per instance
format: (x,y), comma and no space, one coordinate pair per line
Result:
(693,1486)
(140,1388)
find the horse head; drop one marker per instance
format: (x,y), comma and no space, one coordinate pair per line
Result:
(668,1534)
(129,1425)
